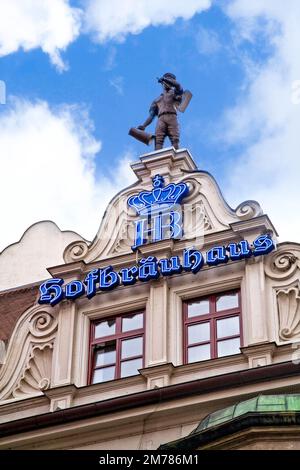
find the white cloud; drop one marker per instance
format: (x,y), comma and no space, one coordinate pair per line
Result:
(48,24)
(266,118)
(54,24)
(111,62)
(114,19)
(48,170)
(207,41)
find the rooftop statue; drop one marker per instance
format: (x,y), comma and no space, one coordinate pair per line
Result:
(165,107)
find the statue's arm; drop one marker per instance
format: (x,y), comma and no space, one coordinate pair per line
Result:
(173,83)
(152,113)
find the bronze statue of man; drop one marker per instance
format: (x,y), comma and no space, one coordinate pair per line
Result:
(165,108)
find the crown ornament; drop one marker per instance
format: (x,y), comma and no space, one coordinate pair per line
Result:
(160,198)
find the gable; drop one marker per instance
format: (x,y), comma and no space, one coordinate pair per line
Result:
(205,210)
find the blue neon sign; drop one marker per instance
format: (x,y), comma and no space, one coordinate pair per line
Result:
(147,269)
(159,211)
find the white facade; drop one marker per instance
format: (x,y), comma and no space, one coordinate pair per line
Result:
(26,261)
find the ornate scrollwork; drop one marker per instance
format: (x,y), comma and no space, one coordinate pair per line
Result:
(204,219)
(76,251)
(194,189)
(125,239)
(281,265)
(27,368)
(248,210)
(196,221)
(288,301)
(37,372)
(42,324)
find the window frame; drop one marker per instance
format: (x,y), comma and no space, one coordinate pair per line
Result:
(212,317)
(118,337)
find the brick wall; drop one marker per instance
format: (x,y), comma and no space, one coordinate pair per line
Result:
(12,304)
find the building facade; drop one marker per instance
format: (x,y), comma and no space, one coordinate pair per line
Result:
(154,326)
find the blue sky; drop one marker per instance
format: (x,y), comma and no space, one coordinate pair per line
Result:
(72,97)
(117,82)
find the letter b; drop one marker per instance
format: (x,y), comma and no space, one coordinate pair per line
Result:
(108,278)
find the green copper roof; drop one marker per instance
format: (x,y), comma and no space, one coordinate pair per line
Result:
(261,403)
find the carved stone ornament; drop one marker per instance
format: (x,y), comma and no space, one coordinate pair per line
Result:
(125,239)
(248,209)
(37,372)
(26,370)
(288,301)
(281,265)
(196,221)
(194,189)
(76,251)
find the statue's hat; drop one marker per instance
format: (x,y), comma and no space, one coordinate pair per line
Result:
(169,75)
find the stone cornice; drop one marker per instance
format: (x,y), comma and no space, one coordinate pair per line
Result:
(238,379)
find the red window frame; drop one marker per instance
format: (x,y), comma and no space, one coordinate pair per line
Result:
(118,337)
(211,318)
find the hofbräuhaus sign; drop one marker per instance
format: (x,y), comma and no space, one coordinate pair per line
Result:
(160,218)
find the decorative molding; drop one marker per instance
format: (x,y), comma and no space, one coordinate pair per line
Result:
(281,265)
(204,220)
(288,301)
(42,324)
(115,234)
(125,239)
(194,189)
(27,367)
(37,372)
(248,210)
(158,376)
(196,220)
(259,355)
(61,397)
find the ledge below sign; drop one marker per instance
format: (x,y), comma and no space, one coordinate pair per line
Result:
(105,279)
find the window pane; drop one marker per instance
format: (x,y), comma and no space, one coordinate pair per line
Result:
(129,368)
(199,353)
(134,322)
(103,375)
(200,307)
(228,327)
(198,333)
(229,347)
(105,328)
(106,354)
(224,302)
(132,347)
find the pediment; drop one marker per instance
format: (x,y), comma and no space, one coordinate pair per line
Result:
(205,210)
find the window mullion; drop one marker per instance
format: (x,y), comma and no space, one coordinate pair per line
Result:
(118,358)
(213,338)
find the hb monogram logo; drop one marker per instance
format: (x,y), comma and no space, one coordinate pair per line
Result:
(160,212)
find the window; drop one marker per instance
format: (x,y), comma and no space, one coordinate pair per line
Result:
(212,327)
(117,347)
